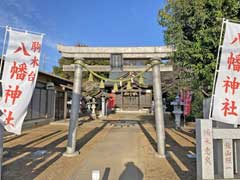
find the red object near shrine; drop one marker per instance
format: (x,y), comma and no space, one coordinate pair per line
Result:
(186,97)
(111,101)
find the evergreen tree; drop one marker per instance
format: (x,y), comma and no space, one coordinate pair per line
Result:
(58,70)
(193,28)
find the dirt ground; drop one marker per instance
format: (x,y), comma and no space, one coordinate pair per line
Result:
(118,149)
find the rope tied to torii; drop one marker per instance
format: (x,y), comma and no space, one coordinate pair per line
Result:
(138,75)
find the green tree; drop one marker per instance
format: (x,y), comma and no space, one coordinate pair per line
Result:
(58,70)
(89,88)
(193,28)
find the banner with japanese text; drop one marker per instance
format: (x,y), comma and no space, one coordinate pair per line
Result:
(186,98)
(187,103)
(226,99)
(19,78)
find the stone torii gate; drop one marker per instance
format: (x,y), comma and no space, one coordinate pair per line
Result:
(79,54)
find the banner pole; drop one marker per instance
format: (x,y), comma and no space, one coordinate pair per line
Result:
(1,148)
(3,49)
(216,68)
(1,126)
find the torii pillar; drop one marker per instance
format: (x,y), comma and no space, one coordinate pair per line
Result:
(76,97)
(158,107)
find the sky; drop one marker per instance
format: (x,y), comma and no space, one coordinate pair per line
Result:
(89,22)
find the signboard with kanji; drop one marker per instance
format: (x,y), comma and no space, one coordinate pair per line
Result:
(19,78)
(226,99)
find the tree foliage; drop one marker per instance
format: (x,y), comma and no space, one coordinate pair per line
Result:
(89,88)
(58,70)
(193,27)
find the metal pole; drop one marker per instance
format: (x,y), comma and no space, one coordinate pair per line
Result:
(23,30)
(1,126)
(76,95)
(1,148)
(216,68)
(3,49)
(158,107)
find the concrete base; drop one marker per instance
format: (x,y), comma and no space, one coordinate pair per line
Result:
(162,156)
(136,111)
(66,154)
(102,117)
(94,116)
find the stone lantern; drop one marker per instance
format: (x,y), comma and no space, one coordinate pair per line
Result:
(94,108)
(177,111)
(103,98)
(88,99)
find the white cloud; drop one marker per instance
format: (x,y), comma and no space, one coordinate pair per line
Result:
(50,43)
(24,15)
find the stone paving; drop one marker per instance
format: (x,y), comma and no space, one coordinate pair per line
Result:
(120,150)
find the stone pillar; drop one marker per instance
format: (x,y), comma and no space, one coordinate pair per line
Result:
(204,147)
(103,105)
(227,146)
(237,156)
(158,107)
(93,108)
(89,107)
(76,96)
(218,149)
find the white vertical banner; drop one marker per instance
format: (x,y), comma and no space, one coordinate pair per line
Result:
(226,99)
(19,77)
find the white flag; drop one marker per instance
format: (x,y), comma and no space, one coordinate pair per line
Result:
(19,78)
(226,100)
